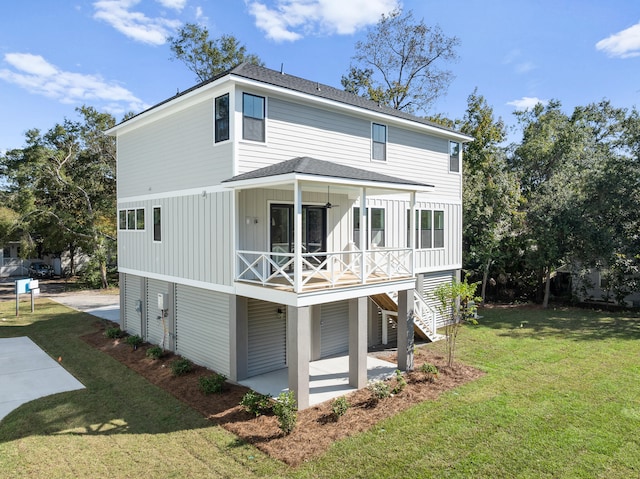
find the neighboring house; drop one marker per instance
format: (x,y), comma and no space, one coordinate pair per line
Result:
(594,285)
(266,221)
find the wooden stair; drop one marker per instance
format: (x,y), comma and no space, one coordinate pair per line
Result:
(420,323)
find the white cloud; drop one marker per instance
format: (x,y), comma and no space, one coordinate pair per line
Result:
(137,25)
(36,75)
(290,20)
(624,44)
(175,4)
(525,67)
(526,102)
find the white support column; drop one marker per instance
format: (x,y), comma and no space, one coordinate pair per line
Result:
(364,234)
(412,229)
(297,236)
(385,327)
(405,330)
(298,345)
(358,342)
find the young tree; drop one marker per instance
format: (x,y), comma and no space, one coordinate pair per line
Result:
(400,63)
(206,57)
(456,303)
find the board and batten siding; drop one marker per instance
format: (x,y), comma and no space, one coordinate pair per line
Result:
(197,239)
(132,298)
(297,129)
(334,328)
(202,327)
(175,152)
(267,337)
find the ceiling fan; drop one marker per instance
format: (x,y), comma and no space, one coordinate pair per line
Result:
(328,204)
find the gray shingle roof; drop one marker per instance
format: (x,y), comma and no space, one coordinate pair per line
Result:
(311,166)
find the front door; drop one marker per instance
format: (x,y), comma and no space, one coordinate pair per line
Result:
(314,232)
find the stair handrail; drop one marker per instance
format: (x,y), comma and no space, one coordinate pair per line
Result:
(421,307)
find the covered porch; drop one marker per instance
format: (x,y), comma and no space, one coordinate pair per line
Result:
(328,378)
(306,225)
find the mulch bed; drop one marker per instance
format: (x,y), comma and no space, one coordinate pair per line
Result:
(316,428)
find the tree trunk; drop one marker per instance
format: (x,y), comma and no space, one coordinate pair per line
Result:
(485,276)
(72,261)
(547,288)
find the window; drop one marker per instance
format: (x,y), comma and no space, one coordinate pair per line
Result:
(454,156)
(157,224)
(429,229)
(132,219)
(379,142)
(375,217)
(252,117)
(438,229)
(222,118)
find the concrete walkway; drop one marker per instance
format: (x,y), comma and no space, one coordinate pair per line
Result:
(28,373)
(328,378)
(105,306)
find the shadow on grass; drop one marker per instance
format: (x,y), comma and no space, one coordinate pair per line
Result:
(116,399)
(567,323)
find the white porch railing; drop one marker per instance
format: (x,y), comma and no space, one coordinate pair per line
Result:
(323,269)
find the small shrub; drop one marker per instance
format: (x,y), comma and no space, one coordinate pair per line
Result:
(181,366)
(134,341)
(379,390)
(256,403)
(155,352)
(113,333)
(286,411)
(401,383)
(212,384)
(428,368)
(339,406)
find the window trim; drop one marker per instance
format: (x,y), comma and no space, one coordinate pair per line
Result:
(383,143)
(217,140)
(264,118)
(418,245)
(458,157)
(127,212)
(153,222)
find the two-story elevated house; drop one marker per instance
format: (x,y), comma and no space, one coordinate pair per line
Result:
(267,221)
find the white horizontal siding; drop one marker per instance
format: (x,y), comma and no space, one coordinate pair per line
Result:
(267,337)
(158,328)
(132,297)
(173,153)
(334,328)
(430,281)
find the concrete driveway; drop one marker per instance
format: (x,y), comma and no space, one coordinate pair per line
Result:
(96,303)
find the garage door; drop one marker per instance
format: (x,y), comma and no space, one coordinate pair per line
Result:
(334,328)
(202,327)
(267,337)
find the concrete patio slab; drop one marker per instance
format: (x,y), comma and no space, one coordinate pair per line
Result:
(328,378)
(28,373)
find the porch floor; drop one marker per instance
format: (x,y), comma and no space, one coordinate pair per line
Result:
(328,378)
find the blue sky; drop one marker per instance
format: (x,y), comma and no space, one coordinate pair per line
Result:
(113,55)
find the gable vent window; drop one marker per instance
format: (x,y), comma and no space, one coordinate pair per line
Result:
(379,142)
(454,156)
(222,118)
(252,117)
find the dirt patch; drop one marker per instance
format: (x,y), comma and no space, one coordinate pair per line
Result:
(316,428)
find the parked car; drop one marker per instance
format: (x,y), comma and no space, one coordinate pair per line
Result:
(40,270)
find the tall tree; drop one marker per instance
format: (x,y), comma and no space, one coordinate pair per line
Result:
(401,63)
(208,57)
(63,186)
(491,192)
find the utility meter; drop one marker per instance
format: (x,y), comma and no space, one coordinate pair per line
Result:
(162,301)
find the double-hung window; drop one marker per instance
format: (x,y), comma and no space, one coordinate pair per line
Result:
(378,142)
(157,224)
(222,118)
(253,114)
(375,218)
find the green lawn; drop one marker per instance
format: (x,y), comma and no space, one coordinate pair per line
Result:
(561,398)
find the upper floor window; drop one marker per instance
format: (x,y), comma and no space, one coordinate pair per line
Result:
(222,118)
(132,219)
(157,223)
(438,229)
(379,142)
(252,117)
(454,156)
